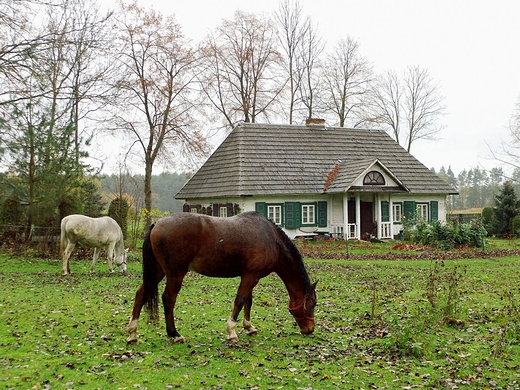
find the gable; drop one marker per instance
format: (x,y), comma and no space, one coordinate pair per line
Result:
(357,176)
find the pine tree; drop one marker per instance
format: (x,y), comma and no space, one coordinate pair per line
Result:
(506,208)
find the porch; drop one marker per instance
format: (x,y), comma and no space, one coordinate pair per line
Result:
(363,216)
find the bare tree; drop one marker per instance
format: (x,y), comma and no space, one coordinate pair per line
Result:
(310,89)
(408,108)
(77,38)
(155,104)
(509,153)
(240,77)
(423,106)
(292,29)
(385,106)
(44,103)
(347,77)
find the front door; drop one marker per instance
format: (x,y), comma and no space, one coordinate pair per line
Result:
(367,218)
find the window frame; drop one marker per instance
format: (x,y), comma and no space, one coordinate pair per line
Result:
(396,205)
(222,211)
(422,210)
(374,178)
(310,213)
(278,207)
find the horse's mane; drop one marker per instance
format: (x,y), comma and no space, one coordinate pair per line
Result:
(288,245)
(295,254)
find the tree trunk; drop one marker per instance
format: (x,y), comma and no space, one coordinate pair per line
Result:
(148,191)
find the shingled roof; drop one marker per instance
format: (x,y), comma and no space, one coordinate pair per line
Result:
(266,159)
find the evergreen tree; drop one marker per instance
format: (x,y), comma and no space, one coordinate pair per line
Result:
(118,210)
(506,208)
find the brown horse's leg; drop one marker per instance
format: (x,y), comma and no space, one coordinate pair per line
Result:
(169,297)
(132,325)
(246,322)
(139,302)
(244,297)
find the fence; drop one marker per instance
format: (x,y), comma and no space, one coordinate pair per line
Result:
(19,236)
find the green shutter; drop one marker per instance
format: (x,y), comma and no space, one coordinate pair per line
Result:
(409,209)
(261,208)
(385,211)
(434,210)
(293,215)
(322,214)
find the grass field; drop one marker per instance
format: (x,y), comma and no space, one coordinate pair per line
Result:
(381,324)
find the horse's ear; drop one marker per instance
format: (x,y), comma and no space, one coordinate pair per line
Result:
(127,249)
(314,285)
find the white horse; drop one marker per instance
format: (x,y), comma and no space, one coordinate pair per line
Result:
(98,233)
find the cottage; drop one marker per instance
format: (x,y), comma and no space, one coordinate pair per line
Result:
(313,179)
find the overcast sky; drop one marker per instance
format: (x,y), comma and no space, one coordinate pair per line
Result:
(470,47)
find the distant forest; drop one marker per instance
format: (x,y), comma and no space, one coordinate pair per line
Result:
(164,188)
(477,188)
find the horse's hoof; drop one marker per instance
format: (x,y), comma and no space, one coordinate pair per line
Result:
(232,339)
(253,333)
(179,340)
(131,340)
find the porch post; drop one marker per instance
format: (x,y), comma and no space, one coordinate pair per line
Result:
(391,215)
(345,216)
(358,216)
(379,227)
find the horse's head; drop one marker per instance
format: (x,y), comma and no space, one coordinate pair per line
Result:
(303,313)
(120,260)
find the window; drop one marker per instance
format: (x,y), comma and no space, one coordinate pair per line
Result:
(308,213)
(422,211)
(396,212)
(193,210)
(294,214)
(374,178)
(222,211)
(274,213)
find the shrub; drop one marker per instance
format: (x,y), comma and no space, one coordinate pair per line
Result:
(487,219)
(449,236)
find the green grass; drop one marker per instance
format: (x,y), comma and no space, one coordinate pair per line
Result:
(376,328)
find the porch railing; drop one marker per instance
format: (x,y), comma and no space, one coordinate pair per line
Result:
(386,230)
(352,230)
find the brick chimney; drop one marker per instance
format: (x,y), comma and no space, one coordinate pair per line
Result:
(315,123)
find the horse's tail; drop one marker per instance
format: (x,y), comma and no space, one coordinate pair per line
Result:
(63,234)
(150,282)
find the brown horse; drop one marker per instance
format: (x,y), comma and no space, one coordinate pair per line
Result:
(247,246)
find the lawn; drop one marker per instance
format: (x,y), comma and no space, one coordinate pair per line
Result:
(380,324)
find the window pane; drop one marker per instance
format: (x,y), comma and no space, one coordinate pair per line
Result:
(396,212)
(223,212)
(422,211)
(308,214)
(274,213)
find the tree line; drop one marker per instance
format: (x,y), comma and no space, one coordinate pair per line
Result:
(71,73)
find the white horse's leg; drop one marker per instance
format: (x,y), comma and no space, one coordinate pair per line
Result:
(231,330)
(94,260)
(66,258)
(110,257)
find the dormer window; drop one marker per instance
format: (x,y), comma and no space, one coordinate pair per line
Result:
(374,178)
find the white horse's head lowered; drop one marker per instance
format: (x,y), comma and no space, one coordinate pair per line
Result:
(120,258)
